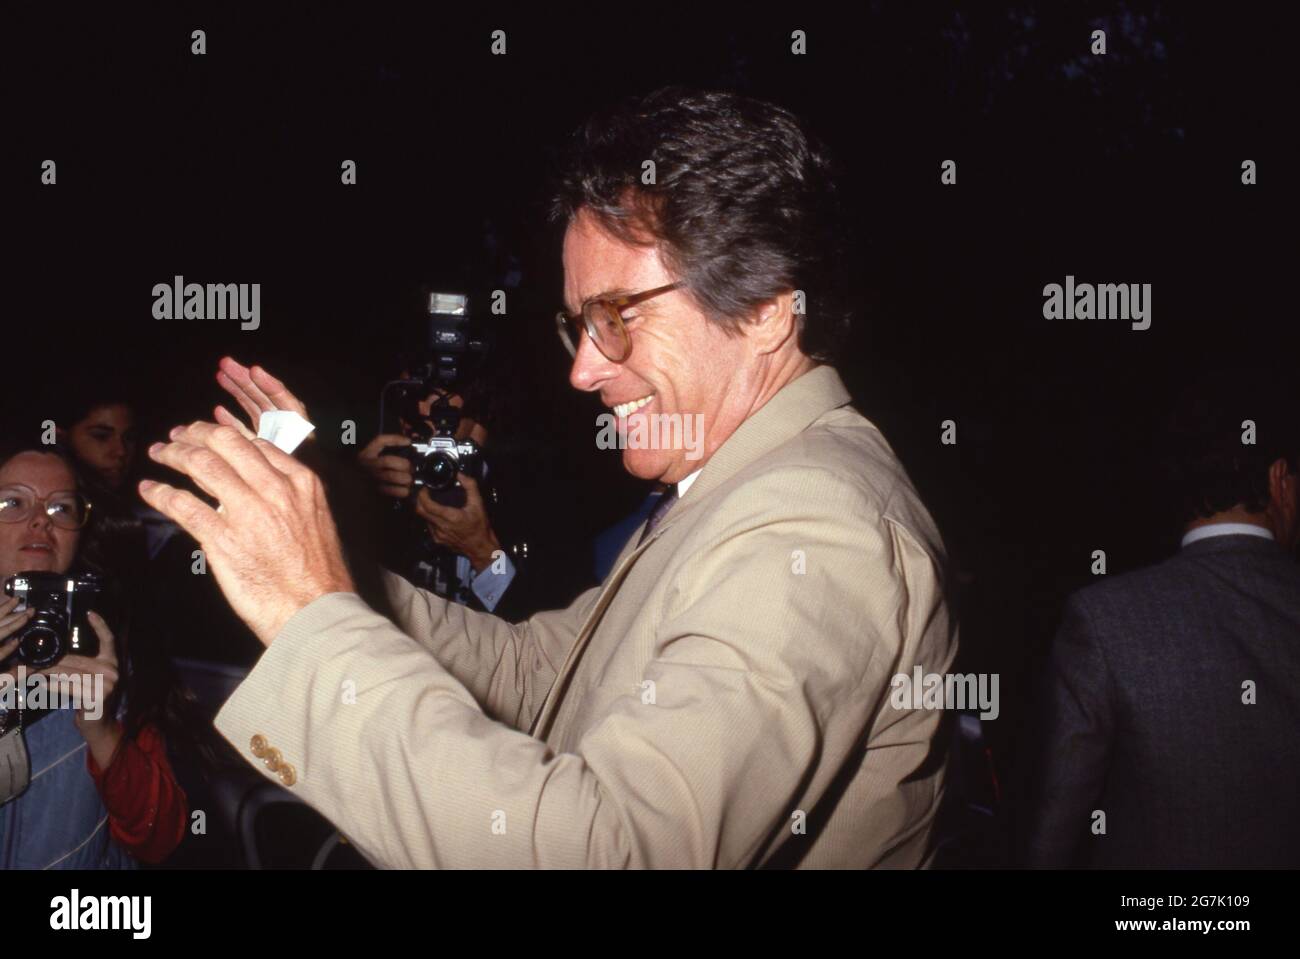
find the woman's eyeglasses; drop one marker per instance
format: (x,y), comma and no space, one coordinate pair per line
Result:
(65,510)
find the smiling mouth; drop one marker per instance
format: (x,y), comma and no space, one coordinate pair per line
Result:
(622,410)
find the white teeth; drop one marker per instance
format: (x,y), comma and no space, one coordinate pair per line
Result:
(627,409)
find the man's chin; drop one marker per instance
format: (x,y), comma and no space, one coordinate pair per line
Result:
(647,464)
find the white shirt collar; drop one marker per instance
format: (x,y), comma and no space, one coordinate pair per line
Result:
(684,484)
(1224,529)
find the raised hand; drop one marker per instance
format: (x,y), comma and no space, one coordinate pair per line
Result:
(274,547)
(256,391)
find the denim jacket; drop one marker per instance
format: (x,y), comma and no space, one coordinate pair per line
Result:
(59,822)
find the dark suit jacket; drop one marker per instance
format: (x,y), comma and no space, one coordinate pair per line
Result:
(1144,716)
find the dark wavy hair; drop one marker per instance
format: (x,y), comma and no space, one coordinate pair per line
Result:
(1204,459)
(744,205)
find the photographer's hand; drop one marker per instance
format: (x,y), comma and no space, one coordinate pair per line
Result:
(102,731)
(257,392)
(10,623)
(392,474)
(274,548)
(466,530)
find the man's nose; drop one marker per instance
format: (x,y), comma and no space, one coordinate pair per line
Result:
(590,367)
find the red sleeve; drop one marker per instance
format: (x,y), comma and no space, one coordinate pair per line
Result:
(146,806)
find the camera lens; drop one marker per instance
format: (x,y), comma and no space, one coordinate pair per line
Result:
(41,643)
(438,471)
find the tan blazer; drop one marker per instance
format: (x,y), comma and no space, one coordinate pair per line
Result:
(722,700)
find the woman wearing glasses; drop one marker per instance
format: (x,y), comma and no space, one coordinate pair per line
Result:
(100,793)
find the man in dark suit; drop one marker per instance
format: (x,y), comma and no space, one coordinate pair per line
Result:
(1171,717)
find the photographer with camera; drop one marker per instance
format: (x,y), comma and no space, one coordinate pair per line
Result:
(121,803)
(440,536)
(458,554)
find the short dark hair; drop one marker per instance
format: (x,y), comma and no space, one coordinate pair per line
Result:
(744,205)
(81,396)
(1206,461)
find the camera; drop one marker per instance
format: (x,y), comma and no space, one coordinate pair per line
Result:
(435,463)
(450,355)
(59,626)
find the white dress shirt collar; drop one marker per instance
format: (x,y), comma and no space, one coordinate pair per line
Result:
(1224,529)
(684,484)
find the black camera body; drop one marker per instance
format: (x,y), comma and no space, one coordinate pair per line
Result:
(59,626)
(435,464)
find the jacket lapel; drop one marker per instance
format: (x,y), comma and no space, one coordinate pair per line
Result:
(784,416)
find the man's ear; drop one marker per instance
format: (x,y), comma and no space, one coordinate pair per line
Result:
(1281,491)
(774,324)
(1280,479)
(1283,502)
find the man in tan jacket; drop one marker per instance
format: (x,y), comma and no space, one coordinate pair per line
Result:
(723,698)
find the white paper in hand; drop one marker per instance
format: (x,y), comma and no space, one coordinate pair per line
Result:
(285,428)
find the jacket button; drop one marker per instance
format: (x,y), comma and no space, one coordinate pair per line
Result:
(272,759)
(287,774)
(258,745)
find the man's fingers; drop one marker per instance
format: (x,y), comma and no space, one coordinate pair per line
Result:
(227,418)
(289,469)
(246,457)
(277,392)
(247,402)
(210,470)
(470,485)
(183,508)
(431,509)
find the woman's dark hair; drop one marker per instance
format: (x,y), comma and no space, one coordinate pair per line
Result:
(743,205)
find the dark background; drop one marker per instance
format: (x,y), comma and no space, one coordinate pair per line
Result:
(1123,168)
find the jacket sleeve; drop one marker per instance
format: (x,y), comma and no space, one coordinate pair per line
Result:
(146,807)
(508,668)
(761,672)
(1076,726)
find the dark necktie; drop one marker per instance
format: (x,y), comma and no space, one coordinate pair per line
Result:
(658,512)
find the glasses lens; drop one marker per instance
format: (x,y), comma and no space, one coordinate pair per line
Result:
(67,512)
(15,505)
(570,331)
(606,330)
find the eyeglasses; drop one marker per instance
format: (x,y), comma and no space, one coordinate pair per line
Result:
(603,322)
(65,510)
